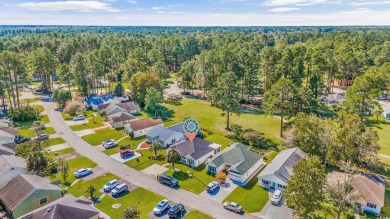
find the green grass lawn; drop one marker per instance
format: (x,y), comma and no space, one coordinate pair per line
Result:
(60,152)
(127,141)
(91,123)
(386,208)
(66,116)
(141,198)
(40,108)
(31,100)
(270,156)
(79,188)
(197,184)
(143,161)
(75,164)
(101,135)
(55,141)
(384,138)
(44,118)
(210,118)
(32,133)
(251,197)
(195,214)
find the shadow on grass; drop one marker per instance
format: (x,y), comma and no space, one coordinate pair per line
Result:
(172,101)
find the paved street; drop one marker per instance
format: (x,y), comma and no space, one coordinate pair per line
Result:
(149,182)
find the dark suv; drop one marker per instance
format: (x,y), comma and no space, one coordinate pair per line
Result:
(168,180)
(175,210)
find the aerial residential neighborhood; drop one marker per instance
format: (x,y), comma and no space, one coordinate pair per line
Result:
(227,109)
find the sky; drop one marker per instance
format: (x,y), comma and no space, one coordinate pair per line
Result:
(195,12)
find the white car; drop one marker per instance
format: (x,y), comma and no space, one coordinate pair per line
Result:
(161,207)
(82,172)
(110,145)
(110,185)
(276,197)
(108,141)
(78,118)
(212,186)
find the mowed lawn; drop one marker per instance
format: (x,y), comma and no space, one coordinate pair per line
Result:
(126,141)
(32,133)
(79,188)
(210,118)
(91,123)
(251,197)
(144,162)
(60,152)
(101,135)
(141,198)
(195,214)
(384,138)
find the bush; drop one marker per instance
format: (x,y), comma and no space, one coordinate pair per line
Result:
(74,108)
(24,113)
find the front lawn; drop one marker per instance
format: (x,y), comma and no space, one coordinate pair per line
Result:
(126,141)
(195,214)
(384,138)
(141,198)
(91,123)
(55,141)
(32,133)
(79,188)
(101,135)
(60,152)
(44,118)
(143,162)
(251,197)
(197,184)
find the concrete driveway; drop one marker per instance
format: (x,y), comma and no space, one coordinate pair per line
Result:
(155,170)
(164,215)
(221,192)
(97,171)
(271,211)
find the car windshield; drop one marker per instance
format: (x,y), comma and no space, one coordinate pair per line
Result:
(276,196)
(159,206)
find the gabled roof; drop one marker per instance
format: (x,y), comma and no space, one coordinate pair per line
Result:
(121,116)
(19,188)
(63,208)
(6,151)
(335,97)
(239,156)
(10,130)
(158,132)
(137,125)
(196,149)
(103,106)
(371,187)
(283,164)
(128,106)
(177,128)
(8,162)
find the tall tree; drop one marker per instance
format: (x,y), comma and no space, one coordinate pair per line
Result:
(155,146)
(139,83)
(173,156)
(37,162)
(65,75)
(153,100)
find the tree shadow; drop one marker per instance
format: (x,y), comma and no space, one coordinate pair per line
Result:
(173,101)
(180,175)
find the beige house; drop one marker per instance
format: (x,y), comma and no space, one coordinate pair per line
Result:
(118,120)
(8,135)
(10,167)
(142,126)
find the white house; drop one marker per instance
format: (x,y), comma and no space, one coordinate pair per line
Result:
(276,174)
(118,120)
(386,109)
(238,161)
(116,107)
(165,136)
(10,167)
(332,99)
(142,126)
(8,135)
(196,152)
(370,188)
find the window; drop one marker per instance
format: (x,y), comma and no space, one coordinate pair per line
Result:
(43,201)
(173,141)
(371,205)
(281,186)
(212,169)
(266,182)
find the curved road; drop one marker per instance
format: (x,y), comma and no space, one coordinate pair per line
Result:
(149,182)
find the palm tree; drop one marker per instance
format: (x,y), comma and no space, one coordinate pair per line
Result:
(131,213)
(173,156)
(91,191)
(156,146)
(37,162)
(377,111)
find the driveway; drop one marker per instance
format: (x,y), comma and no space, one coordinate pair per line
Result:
(97,171)
(84,132)
(190,200)
(221,192)
(271,211)
(155,170)
(164,215)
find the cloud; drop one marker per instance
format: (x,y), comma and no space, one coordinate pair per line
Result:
(132,2)
(356,11)
(284,10)
(157,8)
(360,3)
(68,6)
(170,12)
(293,2)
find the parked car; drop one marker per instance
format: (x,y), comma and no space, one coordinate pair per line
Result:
(42,137)
(161,207)
(110,185)
(110,145)
(78,118)
(212,186)
(232,206)
(22,140)
(82,172)
(119,189)
(164,179)
(276,197)
(176,210)
(126,153)
(108,141)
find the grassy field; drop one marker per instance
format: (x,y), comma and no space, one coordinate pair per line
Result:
(251,197)
(143,161)
(91,123)
(141,198)
(197,215)
(79,188)
(101,135)
(197,184)
(210,118)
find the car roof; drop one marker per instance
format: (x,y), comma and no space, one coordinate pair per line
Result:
(122,185)
(277,192)
(114,180)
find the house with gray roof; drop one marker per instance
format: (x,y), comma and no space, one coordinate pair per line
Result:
(276,174)
(65,207)
(239,161)
(8,135)
(26,193)
(196,152)
(165,136)
(118,120)
(10,167)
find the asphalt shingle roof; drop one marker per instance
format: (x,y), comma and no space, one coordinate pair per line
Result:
(144,123)
(177,128)
(158,132)
(10,130)
(197,149)
(10,161)
(121,117)
(239,156)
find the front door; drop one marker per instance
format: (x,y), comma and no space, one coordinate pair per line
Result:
(273,184)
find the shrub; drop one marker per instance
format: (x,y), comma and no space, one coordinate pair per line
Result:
(74,108)
(24,113)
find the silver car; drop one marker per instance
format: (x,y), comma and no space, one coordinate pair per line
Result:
(232,206)
(276,197)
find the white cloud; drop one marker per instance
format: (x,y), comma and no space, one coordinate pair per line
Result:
(170,12)
(284,9)
(132,2)
(139,9)
(157,8)
(356,11)
(360,3)
(68,6)
(293,2)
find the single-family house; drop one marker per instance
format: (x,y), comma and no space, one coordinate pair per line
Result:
(118,120)
(142,126)
(165,136)
(239,161)
(196,152)
(116,107)
(336,98)
(7,149)
(10,167)
(65,207)
(276,174)
(369,187)
(8,135)
(386,109)
(26,193)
